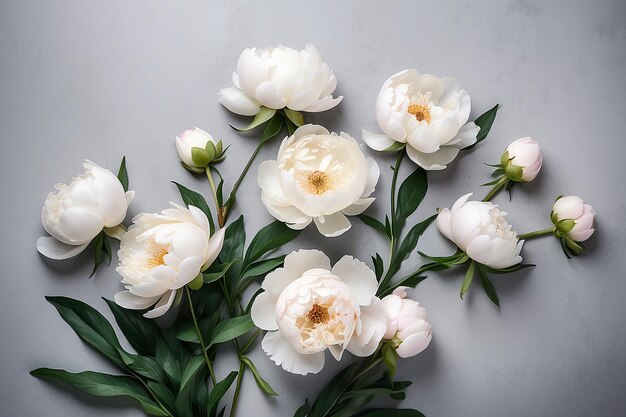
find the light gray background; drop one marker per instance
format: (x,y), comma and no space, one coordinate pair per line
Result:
(100,80)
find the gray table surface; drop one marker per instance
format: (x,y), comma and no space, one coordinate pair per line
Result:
(100,80)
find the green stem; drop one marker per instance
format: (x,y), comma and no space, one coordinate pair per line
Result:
(199,333)
(530,235)
(247,345)
(209,176)
(233,408)
(496,189)
(392,239)
(233,192)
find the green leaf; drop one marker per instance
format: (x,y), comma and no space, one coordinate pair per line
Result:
(216,272)
(231,329)
(218,391)
(261,268)
(122,174)
(410,195)
(234,240)
(104,385)
(506,270)
(391,412)
(263,384)
(90,326)
(331,393)
(272,129)
(398,388)
(484,121)
(455,259)
(303,410)
(168,361)
(378,266)
(141,333)
(187,333)
(145,366)
(575,248)
(409,243)
(164,395)
(183,399)
(296,117)
(396,146)
(192,198)
(467,281)
(490,290)
(193,366)
(374,224)
(98,247)
(270,237)
(261,117)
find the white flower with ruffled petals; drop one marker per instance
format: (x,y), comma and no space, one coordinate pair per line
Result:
(482,232)
(320,177)
(425,113)
(280,77)
(77,213)
(161,253)
(308,307)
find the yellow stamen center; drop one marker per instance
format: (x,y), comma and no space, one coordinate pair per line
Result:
(318,314)
(317,182)
(421,112)
(157,258)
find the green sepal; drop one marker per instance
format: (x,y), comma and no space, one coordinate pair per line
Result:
(200,156)
(565,226)
(122,174)
(396,146)
(191,169)
(467,281)
(296,117)
(504,159)
(514,172)
(484,122)
(390,358)
(261,117)
(197,282)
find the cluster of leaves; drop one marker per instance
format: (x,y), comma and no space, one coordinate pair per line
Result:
(352,389)
(164,376)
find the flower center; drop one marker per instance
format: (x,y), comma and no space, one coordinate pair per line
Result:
(157,259)
(318,314)
(317,182)
(421,112)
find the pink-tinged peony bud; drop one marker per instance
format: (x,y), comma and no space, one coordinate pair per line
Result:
(573,218)
(522,160)
(407,328)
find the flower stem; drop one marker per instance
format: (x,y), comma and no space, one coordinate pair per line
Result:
(220,216)
(392,238)
(530,235)
(199,333)
(233,408)
(231,197)
(496,188)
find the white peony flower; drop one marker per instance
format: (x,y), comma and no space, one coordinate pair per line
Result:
(524,156)
(280,77)
(407,327)
(573,208)
(480,230)
(76,213)
(161,253)
(194,138)
(318,176)
(308,307)
(428,114)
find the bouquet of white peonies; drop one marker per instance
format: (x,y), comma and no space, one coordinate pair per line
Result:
(230,292)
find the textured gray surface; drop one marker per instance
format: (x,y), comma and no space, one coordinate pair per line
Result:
(101,80)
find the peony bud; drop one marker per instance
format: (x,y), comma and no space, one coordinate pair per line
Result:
(573,218)
(196,149)
(407,328)
(522,160)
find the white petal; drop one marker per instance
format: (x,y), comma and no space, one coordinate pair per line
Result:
(358,207)
(310,129)
(264,311)
(80,225)
(377,141)
(569,207)
(374,326)
(466,136)
(296,263)
(53,249)
(443,223)
(283,354)
(130,301)
(332,225)
(162,306)
(414,344)
(323,104)
(433,161)
(269,96)
(216,242)
(238,102)
(200,218)
(130,195)
(188,269)
(359,277)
